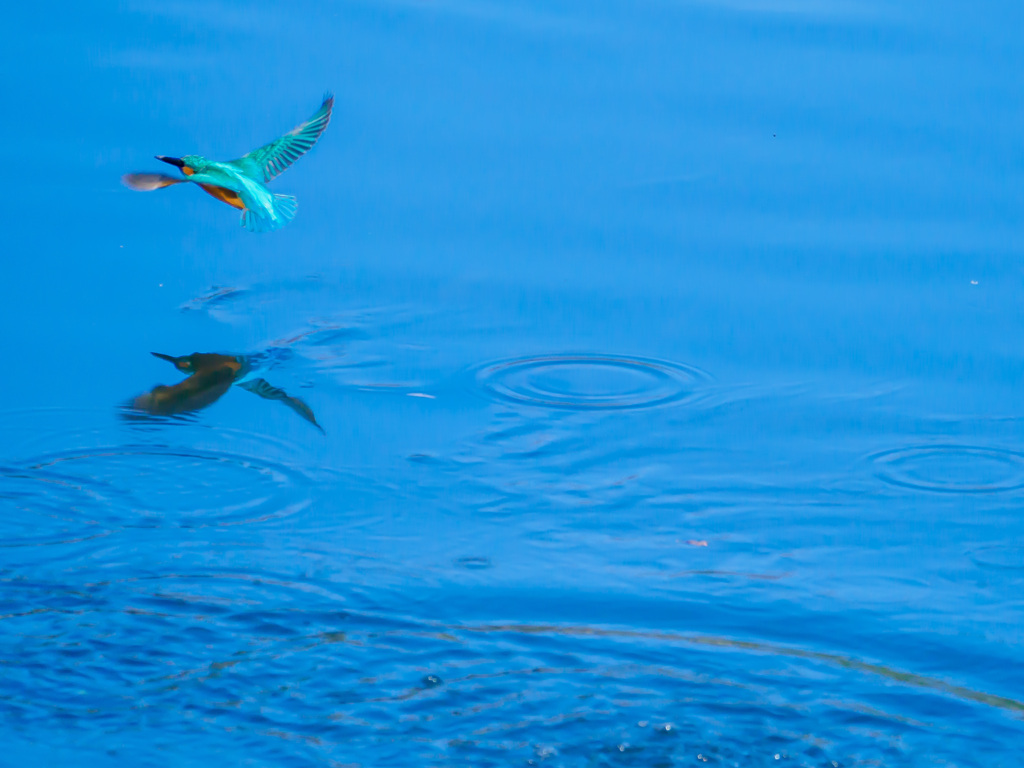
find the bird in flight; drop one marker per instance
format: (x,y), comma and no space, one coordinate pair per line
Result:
(242,183)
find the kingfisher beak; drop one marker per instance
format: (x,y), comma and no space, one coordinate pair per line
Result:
(168,358)
(172,160)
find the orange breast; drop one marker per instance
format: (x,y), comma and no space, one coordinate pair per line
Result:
(224,195)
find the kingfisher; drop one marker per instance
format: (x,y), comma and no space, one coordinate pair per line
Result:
(210,376)
(242,183)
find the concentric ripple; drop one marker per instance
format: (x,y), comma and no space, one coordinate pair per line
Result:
(952,468)
(187,488)
(591,382)
(41,508)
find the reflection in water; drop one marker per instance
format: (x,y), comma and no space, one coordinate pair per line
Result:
(240,183)
(211,375)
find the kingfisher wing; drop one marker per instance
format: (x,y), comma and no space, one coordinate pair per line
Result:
(268,391)
(147,182)
(271,159)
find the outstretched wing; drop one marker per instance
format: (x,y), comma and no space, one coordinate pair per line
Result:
(271,159)
(147,182)
(266,390)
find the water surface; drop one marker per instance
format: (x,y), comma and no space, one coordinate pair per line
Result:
(666,355)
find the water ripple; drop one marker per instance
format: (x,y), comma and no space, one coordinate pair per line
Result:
(42,508)
(217,296)
(184,487)
(259,659)
(1008,557)
(951,468)
(165,630)
(591,382)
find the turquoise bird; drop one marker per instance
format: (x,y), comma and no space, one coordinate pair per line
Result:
(242,183)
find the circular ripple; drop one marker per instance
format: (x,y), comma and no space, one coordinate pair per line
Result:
(591,382)
(40,508)
(952,468)
(188,488)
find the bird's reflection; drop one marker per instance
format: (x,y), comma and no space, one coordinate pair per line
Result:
(210,376)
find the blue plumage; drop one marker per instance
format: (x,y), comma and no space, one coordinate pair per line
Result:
(241,183)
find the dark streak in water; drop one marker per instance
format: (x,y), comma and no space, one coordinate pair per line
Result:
(908,678)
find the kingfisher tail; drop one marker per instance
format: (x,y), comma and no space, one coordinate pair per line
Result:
(283,208)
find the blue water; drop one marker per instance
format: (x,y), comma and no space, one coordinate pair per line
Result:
(668,359)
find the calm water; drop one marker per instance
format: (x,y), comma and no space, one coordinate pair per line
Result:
(668,356)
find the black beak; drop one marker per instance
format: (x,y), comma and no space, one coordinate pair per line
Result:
(168,358)
(172,160)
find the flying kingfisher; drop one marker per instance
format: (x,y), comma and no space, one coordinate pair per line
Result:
(241,183)
(210,376)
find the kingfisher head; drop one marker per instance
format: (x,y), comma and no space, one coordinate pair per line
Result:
(203,361)
(188,164)
(185,363)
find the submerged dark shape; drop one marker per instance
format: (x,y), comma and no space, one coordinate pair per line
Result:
(210,376)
